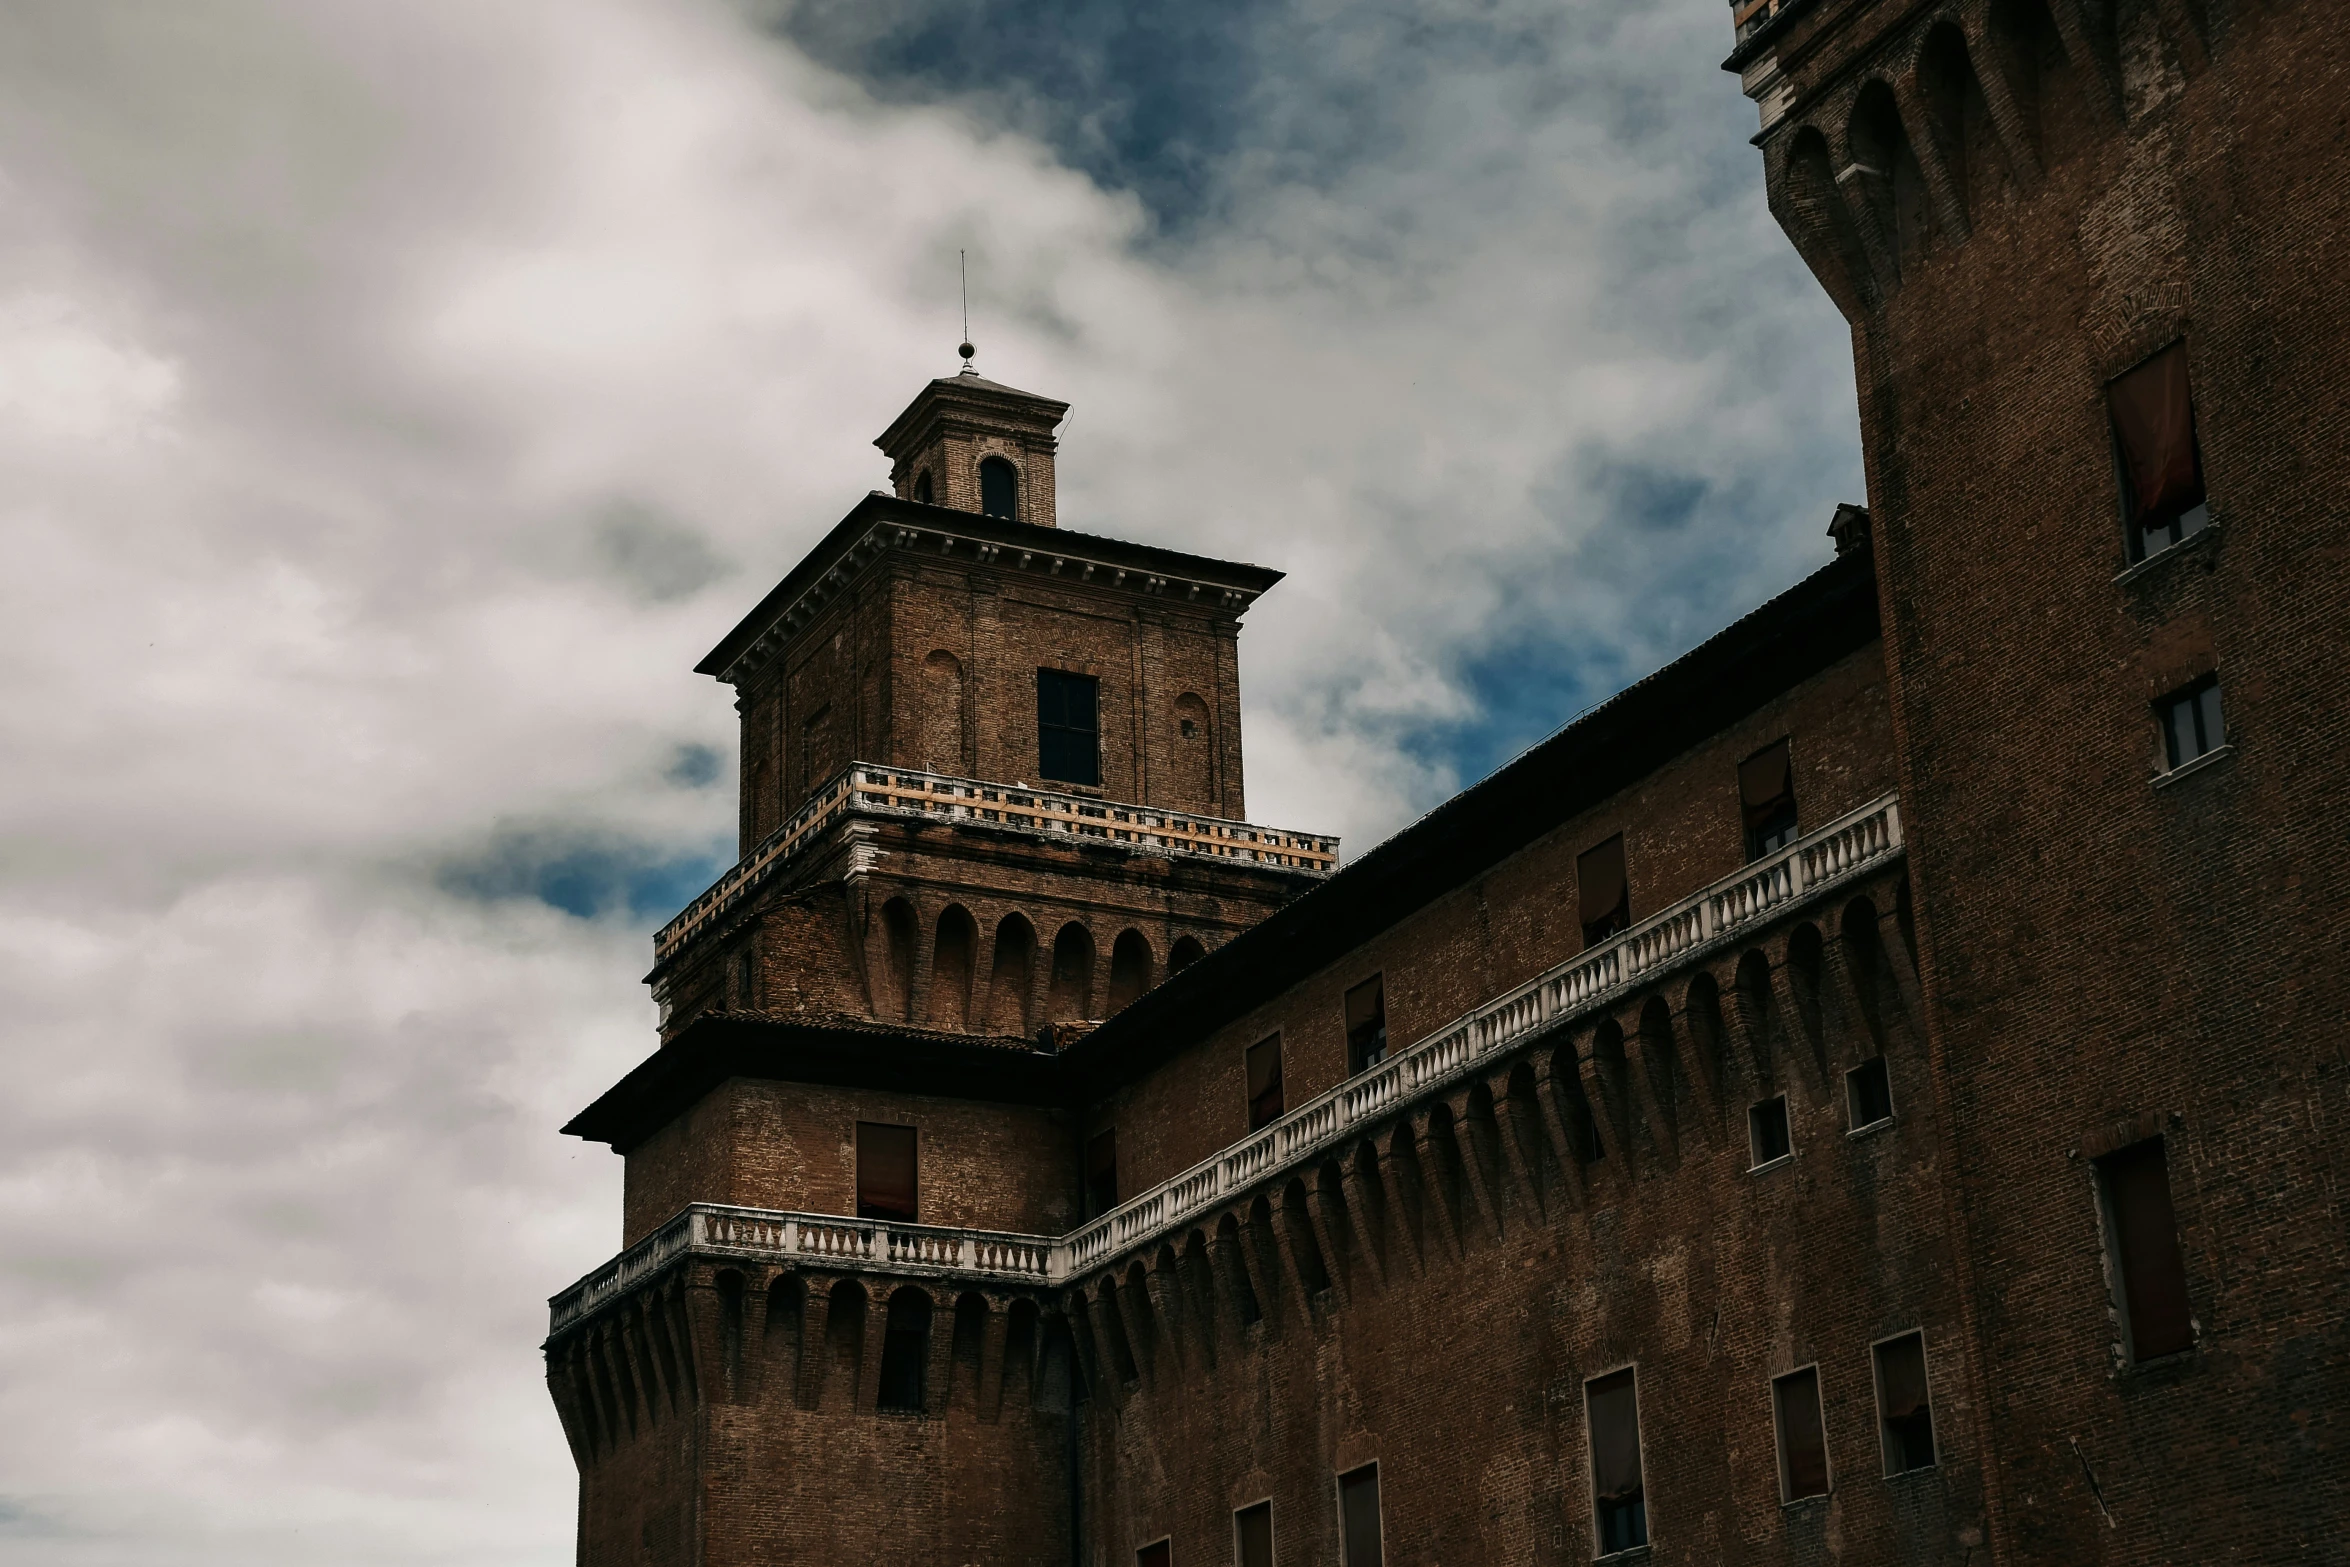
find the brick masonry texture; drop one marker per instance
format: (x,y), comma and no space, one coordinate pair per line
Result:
(2072,953)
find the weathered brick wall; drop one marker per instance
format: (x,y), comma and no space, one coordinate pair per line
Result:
(763,1144)
(1467,1309)
(2102,951)
(1682,831)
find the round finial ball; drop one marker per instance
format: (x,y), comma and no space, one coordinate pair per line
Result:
(965,349)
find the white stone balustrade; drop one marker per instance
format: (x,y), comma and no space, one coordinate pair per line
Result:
(1813,865)
(863,789)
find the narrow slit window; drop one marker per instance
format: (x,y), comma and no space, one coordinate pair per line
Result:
(1767,1136)
(2191,723)
(2142,1235)
(1358,1517)
(1159,1553)
(1068,727)
(1366,1025)
(1803,1435)
(886,1184)
(2160,463)
(1619,1502)
(1868,1094)
(1605,894)
(1101,1172)
(1766,800)
(1264,1082)
(1252,1532)
(1905,1410)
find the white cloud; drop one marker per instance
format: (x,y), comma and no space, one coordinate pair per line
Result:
(396,401)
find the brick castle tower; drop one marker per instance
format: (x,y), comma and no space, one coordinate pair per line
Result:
(1874,1090)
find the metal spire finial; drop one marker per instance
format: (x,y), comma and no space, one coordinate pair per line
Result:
(963,259)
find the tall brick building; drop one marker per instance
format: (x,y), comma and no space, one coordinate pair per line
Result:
(1874,1090)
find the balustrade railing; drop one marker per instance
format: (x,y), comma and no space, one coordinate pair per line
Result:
(1854,843)
(866,790)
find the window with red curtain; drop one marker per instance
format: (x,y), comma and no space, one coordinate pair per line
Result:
(2153,411)
(1605,894)
(1264,1082)
(885,1172)
(2144,1234)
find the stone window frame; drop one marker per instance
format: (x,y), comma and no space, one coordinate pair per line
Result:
(1338,1479)
(1272,1526)
(1877,1402)
(1630,1553)
(1778,1438)
(1787,1114)
(2186,1206)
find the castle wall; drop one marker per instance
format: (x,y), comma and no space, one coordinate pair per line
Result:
(2114,955)
(1682,830)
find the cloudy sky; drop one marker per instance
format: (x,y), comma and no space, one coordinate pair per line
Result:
(396,400)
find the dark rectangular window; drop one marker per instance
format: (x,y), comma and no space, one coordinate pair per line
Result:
(1868,1093)
(885,1172)
(1905,1412)
(1264,1082)
(2191,725)
(1766,800)
(1252,1531)
(1803,1436)
(1358,1517)
(905,1351)
(2161,467)
(1101,1172)
(2143,1234)
(1766,1131)
(1159,1553)
(1366,1025)
(1619,1503)
(1068,727)
(1606,895)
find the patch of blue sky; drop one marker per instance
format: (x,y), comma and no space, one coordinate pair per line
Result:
(586,875)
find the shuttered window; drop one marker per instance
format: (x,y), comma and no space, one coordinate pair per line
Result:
(1803,1438)
(1766,800)
(885,1172)
(1619,1500)
(1068,727)
(1606,896)
(1366,1024)
(2153,411)
(2143,1234)
(1264,1082)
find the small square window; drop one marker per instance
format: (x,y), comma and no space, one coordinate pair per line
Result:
(2191,725)
(1905,1410)
(1868,1094)
(1767,1136)
(1803,1435)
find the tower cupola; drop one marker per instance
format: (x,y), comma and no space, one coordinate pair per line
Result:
(971,444)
